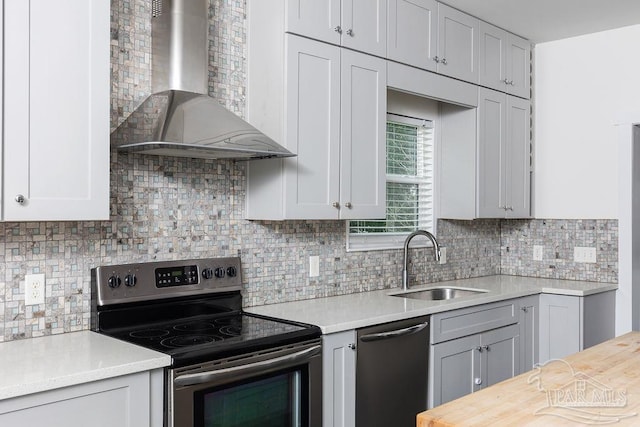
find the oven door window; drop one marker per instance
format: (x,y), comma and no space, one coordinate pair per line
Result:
(275,400)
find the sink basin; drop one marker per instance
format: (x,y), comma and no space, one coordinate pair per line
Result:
(439,293)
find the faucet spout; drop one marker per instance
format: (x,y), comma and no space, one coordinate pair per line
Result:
(405,262)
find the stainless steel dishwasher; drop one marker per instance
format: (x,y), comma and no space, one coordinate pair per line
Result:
(391,373)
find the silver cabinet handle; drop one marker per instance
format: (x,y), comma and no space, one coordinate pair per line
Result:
(350,32)
(336,205)
(435,58)
(352,346)
(525,309)
(511,82)
(20,199)
(205,377)
(485,347)
(338,29)
(393,334)
(444,61)
(505,81)
(479,349)
(348,205)
(478,381)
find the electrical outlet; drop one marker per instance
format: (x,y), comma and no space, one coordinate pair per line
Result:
(314,266)
(538,252)
(443,256)
(34,289)
(584,254)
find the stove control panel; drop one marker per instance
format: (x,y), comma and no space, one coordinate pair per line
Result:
(124,283)
(176,276)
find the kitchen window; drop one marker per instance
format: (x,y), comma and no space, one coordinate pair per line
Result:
(410,187)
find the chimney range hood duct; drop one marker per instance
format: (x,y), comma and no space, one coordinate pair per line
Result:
(179,119)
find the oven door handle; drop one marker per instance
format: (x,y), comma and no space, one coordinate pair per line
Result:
(205,377)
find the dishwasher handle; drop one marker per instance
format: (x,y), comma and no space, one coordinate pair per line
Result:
(394,334)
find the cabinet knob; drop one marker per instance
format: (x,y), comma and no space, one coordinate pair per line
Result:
(348,205)
(505,81)
(444,61)
(350,32)
(510,82)
(525,309)
(20,199)
(485,347)
(435,58)
(352,346)
(479,349)
(478,381)
(336,205)
(338,29)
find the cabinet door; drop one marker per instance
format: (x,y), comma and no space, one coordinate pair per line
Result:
(363,141)
(528,323)
(339,379)
(492,59)
(457,44)
(312,129)
(557,342)
(519,66)
(501,354)
(455,368)
(412,32)
(56,129)
(318,19)
(364,26)
(518,158)
(491,154)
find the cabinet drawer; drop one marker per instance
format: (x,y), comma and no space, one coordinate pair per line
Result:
(466,321)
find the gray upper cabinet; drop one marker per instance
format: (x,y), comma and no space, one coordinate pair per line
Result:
(457,44)
(505,61)
(434,37)
(327,105)
(56,115)
(504,172)
(412,33)
(357,24)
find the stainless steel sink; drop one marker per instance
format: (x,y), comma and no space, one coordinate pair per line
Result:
(439,293)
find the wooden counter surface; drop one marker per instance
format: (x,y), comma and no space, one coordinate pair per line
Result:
(600,385)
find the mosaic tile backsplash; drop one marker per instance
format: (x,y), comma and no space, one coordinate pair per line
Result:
(169,208)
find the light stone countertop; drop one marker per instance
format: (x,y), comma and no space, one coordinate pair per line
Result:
(345,312)
(45,363)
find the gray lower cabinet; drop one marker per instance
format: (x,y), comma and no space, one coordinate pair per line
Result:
(464,365)
(129,400)
(585,321)
(529,335)
(339,379)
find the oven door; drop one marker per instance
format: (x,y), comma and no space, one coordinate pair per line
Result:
(281,387)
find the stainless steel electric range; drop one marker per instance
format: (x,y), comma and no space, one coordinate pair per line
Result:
(229,368)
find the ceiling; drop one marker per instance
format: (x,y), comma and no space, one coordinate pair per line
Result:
(547,20)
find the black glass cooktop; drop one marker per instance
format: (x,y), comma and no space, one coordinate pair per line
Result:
(203,338)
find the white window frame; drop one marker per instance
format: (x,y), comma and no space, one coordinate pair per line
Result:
(356,243)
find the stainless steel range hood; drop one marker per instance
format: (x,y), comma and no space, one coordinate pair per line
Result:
(179,118)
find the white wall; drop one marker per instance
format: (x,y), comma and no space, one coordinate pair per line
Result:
(583,86)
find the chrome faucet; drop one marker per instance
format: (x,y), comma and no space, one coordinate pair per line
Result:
(405,262)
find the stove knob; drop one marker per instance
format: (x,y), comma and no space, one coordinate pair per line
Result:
(207,273)
(231,271)
(130,280)
(114,281)
(219,272)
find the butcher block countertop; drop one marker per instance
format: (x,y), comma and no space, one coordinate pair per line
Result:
(600,385)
